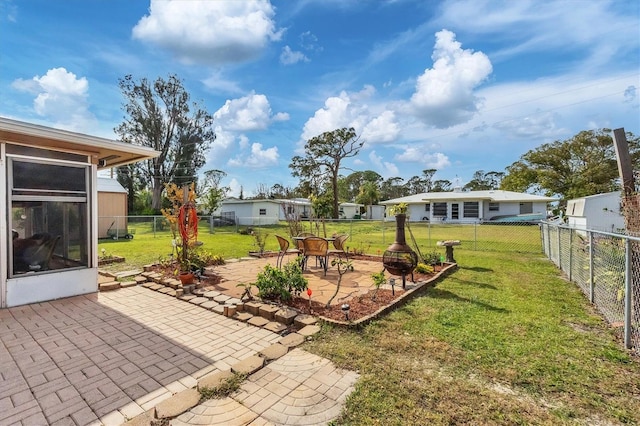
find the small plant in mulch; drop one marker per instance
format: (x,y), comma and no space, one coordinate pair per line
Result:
(378,281)
(343,265)
(422,268)
(432,258)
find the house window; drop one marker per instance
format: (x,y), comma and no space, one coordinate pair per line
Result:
(470,209)
(49,215)
(440,209)
(427,207)
(494,207)
(263,212)
(290,210)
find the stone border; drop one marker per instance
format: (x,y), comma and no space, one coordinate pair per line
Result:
(401,300)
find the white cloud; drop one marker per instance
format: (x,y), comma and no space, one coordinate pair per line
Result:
(234,188)
(534,125)
(258,158)
(532,26)
(444,94)
(373,123)
(249,113)
(383,128)
(436,160)
(215,32)
(218,83)
(60,96)
(386,168)
(290,57)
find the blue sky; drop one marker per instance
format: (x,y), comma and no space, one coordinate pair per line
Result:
(457,86)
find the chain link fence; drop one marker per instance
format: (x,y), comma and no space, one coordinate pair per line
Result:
(605,266)
(366,236)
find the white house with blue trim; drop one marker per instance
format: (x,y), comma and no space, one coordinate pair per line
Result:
(473,206)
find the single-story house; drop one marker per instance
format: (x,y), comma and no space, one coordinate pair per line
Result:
(471,206)
(271,211)
(112,208)
(600,212)
(49,213)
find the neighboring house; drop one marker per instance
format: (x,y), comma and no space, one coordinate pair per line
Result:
(471,206)
(271,211)
(49,210)
(600,212)
(264,211)
(112,207)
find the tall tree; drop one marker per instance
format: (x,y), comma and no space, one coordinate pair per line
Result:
(210,192)
(393,188)
(159,116)
(484,181)
(324,155)
(582,165)
(416,185)
(441,185)
(428,177)
(350,185)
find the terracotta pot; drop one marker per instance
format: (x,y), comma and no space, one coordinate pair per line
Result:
(186,277)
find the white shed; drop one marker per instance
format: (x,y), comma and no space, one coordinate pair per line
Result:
(600,212)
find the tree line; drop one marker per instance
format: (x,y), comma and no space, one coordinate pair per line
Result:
(161,116)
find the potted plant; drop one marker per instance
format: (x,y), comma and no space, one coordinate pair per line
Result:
(190,265)
(399,209)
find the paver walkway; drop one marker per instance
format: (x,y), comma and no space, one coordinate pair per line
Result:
(105,358)
(297,389)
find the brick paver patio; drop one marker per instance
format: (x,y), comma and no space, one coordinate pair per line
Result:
(106,358)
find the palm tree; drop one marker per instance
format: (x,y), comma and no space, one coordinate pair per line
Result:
(369,195)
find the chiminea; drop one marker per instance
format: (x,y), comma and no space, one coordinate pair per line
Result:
(398,258)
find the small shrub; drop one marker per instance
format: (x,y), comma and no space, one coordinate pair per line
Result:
(423,268)
(283,284)
(432,258)
(261,239)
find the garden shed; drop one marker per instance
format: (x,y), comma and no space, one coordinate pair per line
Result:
(49,210)
(112,207)
(600,212)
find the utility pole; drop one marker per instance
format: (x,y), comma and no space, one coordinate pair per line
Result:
(630,203)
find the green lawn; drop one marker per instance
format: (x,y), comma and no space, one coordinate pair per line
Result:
(372,237)
(503,340)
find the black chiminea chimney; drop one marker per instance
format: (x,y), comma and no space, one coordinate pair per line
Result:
(399,259)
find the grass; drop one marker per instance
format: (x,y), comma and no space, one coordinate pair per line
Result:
(371,237)
(504,340)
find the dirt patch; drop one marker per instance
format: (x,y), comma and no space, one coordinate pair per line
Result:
(359,306)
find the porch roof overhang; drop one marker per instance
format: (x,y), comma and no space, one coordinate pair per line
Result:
(105,153)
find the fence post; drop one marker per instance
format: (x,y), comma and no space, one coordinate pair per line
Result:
(592,284)
(475,236)
(627,293)
(571,255)
(559,249)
